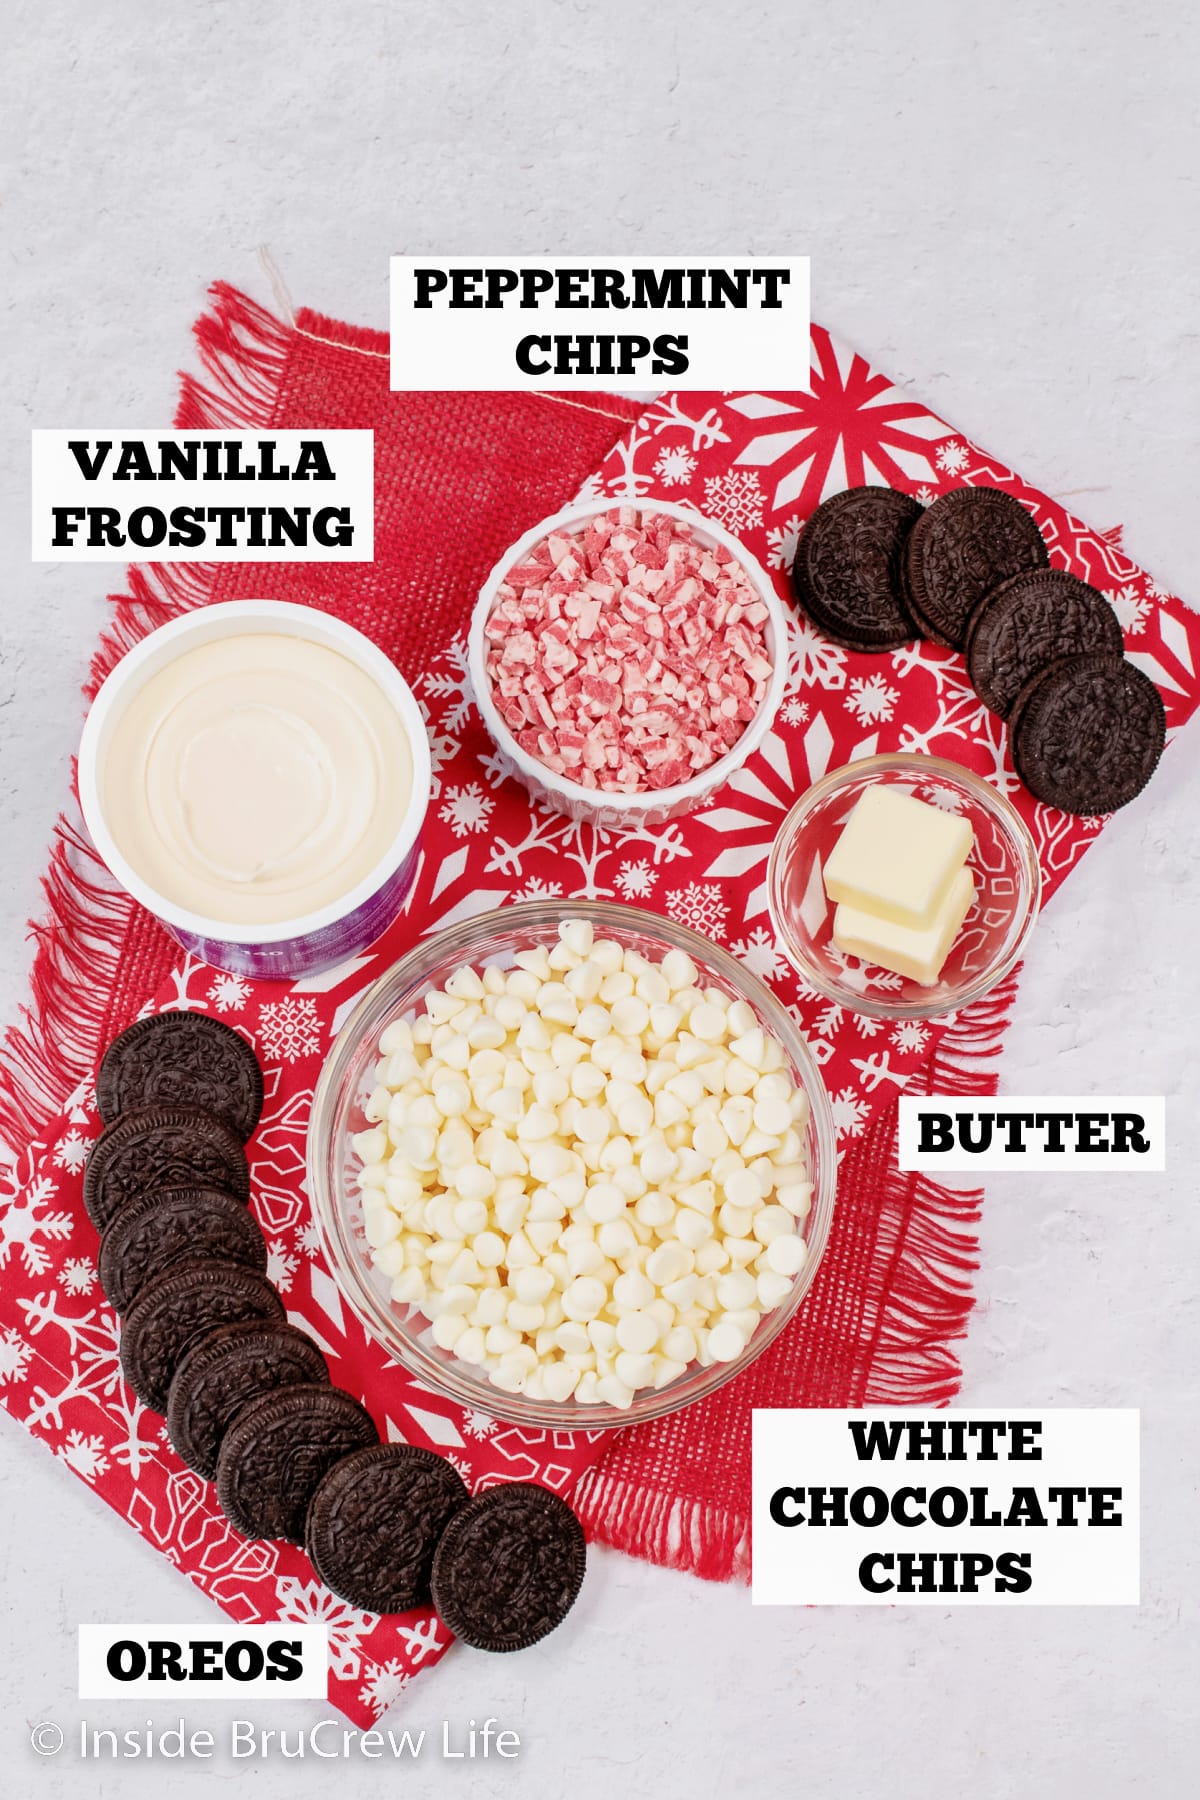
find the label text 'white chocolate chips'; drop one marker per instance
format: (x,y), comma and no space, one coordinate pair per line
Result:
(959,1508)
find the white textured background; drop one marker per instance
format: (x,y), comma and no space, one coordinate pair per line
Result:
(1001,204)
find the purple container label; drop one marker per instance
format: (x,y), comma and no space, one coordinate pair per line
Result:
(316,950)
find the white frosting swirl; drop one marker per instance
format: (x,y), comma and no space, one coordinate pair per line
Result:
(256,778)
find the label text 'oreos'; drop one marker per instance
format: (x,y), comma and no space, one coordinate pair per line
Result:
(146,1662)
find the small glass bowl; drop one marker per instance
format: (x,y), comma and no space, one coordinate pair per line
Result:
(346,1082)
(1004,860)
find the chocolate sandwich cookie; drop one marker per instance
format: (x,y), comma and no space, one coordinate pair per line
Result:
(168,1225)
(224,1370)
(965,544)
(182,1059)
(177,1307)
(847,574)
(1031,620)
(508,1567)
(1087,733)
(161,1147)
(274,1454)
(374,1524)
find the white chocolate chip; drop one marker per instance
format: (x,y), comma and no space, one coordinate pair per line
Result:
(772,1222)
(447,1329)
(489,1249)
(638,1331)
(772,1289)
(707,1022)
(786,1254)
(737,1289)
(558,1380)
(634,1370)
(578,935)
(613,1392)
(633,1290)
(584,981)
(725,1343)
(584,1298)
(672,1260)
(796,1197)
(616,1238)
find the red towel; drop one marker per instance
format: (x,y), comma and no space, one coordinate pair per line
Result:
(457,478)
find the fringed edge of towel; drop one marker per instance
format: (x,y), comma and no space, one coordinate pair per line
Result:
(243,352)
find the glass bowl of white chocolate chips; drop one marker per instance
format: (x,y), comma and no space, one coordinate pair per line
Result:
(574,1166)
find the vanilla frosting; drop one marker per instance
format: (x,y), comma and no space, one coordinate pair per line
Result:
(256,778)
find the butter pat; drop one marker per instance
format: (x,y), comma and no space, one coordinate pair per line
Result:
(916,951)
(897,858)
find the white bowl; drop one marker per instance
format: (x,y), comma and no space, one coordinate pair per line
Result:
(315,940)
(601,806)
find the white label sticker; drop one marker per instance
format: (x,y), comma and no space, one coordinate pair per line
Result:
(593,323)
(948,1134)
(885,1507)
(203,496)
(256,1662)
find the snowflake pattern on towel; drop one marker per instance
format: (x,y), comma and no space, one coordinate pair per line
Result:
(289,1029)
(675,466)
(700,907)
(871,700)
(734,500)
(77,1275)
(635,880)
(1131,607)
(29,1229)
(229,993)
(14,1355)
(762,463)
(70,1152)
(781,543)
(952,459)
(384,1685)
(466,809)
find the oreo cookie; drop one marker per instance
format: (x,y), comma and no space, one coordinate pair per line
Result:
(508,1567)
(177,1307)
(161,1147)
(1086,733)
(847,571)
(182,1059)
(277,1450)
(1031,620)
(168,1225)
(224,1370)
(965,544)
(374,1523)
